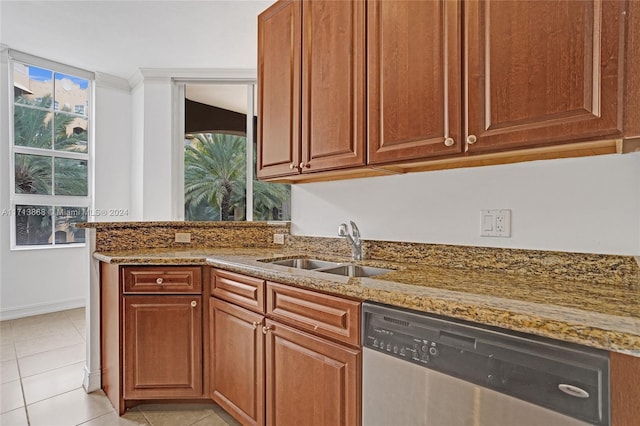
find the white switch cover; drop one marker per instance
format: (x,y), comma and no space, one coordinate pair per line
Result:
(495,223)
(278,238)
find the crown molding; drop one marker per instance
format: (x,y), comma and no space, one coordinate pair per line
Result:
(108,81)
(162,75)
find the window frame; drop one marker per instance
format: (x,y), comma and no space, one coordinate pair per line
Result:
(49,200)
(243,77)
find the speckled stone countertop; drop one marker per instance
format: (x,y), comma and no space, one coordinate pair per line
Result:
(569,309)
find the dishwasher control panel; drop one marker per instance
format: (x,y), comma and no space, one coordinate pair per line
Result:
(568,378)
(417,350)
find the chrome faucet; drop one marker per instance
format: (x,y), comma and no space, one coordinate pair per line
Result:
(354,239)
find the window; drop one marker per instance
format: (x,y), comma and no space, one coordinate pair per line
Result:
(50,152)
(216,153)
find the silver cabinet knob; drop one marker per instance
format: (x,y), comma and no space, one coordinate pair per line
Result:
(471,139)
(304,165)
(194,303)
(449,142)
(255,324)
(293,166)
(266,329)
(159,281)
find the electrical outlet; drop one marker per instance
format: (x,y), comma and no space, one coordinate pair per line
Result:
(495,223)
(278,238)
(183,237)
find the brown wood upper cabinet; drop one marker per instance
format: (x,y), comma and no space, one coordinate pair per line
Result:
(413,60)
(445,79)
(311,95)
(543,72)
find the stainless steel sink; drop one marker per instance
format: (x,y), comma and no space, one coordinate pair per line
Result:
(349,270)
(335,268)
(303,263)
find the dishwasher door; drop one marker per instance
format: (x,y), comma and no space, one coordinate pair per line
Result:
(399,393)
(427,370)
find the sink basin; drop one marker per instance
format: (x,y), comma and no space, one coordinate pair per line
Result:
(303,263)
(356,271)
(335,268)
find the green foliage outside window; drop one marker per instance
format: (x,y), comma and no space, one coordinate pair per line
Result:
(215,181)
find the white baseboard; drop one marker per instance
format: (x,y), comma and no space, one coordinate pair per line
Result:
(92,380)
(41,308)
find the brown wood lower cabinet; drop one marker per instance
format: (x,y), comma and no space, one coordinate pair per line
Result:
(162,346)
(625,390)
(237,364)
(310,381)
(281,364)
(152,333)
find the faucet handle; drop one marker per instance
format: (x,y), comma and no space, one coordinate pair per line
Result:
(342,230)
(354,229)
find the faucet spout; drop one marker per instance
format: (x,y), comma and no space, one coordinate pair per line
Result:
(353,239)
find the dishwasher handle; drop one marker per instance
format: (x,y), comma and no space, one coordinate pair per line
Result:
(457,340)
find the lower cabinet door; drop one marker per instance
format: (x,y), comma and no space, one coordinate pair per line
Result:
(162,347)
(310,381)
(237,361)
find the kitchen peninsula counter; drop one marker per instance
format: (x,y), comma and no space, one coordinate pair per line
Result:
(589,311)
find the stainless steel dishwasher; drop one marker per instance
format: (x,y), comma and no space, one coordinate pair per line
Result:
(421,370)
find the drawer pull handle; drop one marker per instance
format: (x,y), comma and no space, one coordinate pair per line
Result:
(159,281)
(194,304)
(471,139)
(449,142)
(266,329)
(255,324)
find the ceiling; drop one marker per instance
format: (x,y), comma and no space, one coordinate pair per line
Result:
(120,37)
(232,97)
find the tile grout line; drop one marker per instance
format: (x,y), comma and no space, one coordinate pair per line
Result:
(24,398)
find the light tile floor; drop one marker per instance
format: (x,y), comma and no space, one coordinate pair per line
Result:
(42,363)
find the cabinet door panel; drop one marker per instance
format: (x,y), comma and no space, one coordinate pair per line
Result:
(237,364)
(279,42)
(543,72)
(413,57)
(162,346)
(310,381)
(333,75)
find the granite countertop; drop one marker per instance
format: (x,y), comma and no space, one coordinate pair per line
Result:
(596,315)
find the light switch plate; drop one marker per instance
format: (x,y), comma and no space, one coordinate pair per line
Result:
(495,223)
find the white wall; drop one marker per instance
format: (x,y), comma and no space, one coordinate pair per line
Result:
(151,144)
(112,162)
(589,205)
(47,280)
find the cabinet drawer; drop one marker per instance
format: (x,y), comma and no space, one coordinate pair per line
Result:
(244,291)
(162,279)
(322,314)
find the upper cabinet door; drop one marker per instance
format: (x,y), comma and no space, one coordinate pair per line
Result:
(333,76)
(414,79)
(279,42)
(543,72)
